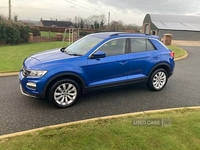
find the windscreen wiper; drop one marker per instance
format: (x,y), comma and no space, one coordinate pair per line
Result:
(73,54)
(62,49)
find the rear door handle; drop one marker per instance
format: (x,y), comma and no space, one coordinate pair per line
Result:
(155,58)
(123,63)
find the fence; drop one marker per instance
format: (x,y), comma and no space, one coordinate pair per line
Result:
(58,35)
(62,30)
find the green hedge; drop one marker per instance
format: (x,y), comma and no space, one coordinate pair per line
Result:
(35,31)
(83,33)
(12,32)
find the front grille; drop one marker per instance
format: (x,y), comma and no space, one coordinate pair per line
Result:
(25,72)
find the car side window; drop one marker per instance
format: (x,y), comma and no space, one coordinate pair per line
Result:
(140,45)
(150,46)
(114,47)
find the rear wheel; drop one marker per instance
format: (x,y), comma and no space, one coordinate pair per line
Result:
(157,80)
(64,93)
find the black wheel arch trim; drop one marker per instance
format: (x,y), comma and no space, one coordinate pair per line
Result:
(161,64)
(62,75)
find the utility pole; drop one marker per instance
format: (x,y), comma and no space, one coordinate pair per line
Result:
(9,4)
(108,21)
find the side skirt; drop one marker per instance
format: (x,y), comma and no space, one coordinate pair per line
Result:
(116,85)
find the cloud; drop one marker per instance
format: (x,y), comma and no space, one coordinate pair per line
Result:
(153,6)
(129,11)
(3,7)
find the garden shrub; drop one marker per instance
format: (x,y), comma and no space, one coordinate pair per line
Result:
(35,31)
(13,32)
(83,33)
(12,35)
(2,33)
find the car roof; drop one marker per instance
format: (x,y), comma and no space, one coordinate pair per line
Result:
(104,35)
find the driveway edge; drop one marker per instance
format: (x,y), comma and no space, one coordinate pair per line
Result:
(183,57)
(7,74)
(95,119)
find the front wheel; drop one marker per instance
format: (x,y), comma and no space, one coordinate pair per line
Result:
(64,93)
(157,80)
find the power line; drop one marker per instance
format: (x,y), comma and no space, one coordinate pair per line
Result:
(85,4)
(106,10)
(94,9)
(88,8)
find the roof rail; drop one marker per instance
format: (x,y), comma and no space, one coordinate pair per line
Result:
(118,33)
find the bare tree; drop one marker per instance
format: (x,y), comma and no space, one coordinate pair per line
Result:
(15,18)
(77,21)
(86,23)
(97,21)
(94,20)
(134,27)
(102,19)
(117,25)
(82,24)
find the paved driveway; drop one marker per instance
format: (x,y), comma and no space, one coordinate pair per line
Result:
(18,112)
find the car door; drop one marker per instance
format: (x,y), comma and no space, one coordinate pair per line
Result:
(143,55)
(113,68)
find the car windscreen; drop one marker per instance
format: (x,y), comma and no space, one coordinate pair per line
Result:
(83,45)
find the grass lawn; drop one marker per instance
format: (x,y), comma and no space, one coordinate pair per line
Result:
(51,34)
(177,50)
(11,57)
(117,134)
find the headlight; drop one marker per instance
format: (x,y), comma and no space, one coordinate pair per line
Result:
(33,73)
(37,73)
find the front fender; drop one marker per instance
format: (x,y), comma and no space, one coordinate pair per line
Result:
(68,70)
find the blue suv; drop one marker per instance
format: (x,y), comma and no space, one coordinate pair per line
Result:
(96,61)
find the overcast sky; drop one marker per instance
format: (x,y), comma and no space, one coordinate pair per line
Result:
(129,11)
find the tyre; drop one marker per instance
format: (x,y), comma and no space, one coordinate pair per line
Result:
(157,80)
(64,93)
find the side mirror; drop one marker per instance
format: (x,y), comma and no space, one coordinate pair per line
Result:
(98,54)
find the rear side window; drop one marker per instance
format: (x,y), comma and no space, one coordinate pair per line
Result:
(150,46)
(158,44)
(140,44)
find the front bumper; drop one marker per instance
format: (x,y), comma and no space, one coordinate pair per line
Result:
(26,90)
(30,94)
